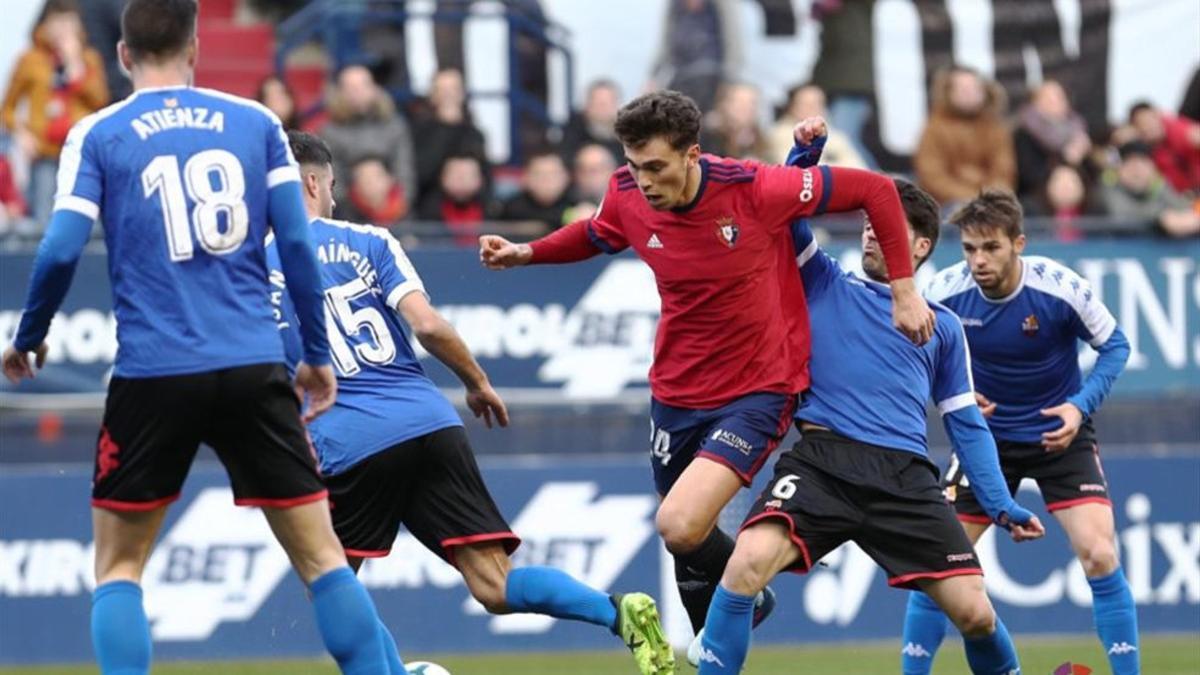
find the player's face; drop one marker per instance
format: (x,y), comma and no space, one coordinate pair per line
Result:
(992,257)
(873,264)
(663,174)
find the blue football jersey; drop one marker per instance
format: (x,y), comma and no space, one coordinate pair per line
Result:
(1026,346)
(384,396)
(869,382)
(180,179)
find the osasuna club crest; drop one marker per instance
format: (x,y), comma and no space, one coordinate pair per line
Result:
(727,231)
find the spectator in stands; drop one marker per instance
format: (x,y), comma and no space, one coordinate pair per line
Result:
(363,122)
(460,200)
(966,145)
(804,101)
(102,22)
(733,129)
(1137,193)
(1174,142)
(444,127)
(12,205)
(845,69)
(57,82)
(590,173)
(274,93)
(374,195)
(1065,198)
(1048,133)
(544,195)
(700,49)
(595,123)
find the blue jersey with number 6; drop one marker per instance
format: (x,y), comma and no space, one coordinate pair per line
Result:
(384,396)
(182,177)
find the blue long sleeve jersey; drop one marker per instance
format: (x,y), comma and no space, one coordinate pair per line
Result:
(187,183)
(871,384)
(1026,346)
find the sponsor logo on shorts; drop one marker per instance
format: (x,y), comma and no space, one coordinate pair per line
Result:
(1091,487)
(733,440)
(916,650)
(960,557)
(773,504)
(106,455)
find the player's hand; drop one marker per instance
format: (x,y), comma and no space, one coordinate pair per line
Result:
(16,363)
(486,403)
(498,253)
(1029,531)
(808,129)
(910,313)
(320,385)
(1060,438)
(985,405)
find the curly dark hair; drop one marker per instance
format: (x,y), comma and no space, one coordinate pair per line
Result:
(922,212)
(992,208)
(666,113)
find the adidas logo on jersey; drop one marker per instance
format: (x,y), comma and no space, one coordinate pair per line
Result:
(1122,648)
(707,656)
(916,651)
(654,242)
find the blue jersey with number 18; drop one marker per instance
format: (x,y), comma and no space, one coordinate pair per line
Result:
(180,178)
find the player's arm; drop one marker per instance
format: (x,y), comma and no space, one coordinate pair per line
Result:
(439,338)
(857,189)
(817,269)
(1094,324)
(954,394)
(284,312)
(76,208)
(580,240)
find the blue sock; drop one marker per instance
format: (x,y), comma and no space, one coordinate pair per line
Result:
(120,632)
(726,633)
(546,590)
(395,666)
(994,654)
(924,629)
(348,623)
(1116,621)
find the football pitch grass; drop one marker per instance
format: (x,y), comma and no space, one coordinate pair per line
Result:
(1175,655)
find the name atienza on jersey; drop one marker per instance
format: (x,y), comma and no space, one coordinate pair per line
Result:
(154,121)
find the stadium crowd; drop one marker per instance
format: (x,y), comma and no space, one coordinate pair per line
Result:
(424,159)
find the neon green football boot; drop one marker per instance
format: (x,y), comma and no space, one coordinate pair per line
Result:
(641,630)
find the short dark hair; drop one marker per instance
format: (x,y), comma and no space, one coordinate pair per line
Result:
(158,29)
(922,211)
(660,113)
(1140,106)
(992,208)
(309,149)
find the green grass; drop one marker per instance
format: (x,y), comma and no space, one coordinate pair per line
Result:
(1039,656)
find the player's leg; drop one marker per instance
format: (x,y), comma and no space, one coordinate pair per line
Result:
(925,623)
(1075,490)
(989,647)
(258,436)
(729,447)
(768,544)
(149,437)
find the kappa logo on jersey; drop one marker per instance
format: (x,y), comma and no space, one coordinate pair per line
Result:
(727,231)
(1030,326)
(654,242)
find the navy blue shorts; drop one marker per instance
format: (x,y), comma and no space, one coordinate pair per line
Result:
(740,435)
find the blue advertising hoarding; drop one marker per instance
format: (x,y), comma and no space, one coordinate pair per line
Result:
(219,587)
(585,331)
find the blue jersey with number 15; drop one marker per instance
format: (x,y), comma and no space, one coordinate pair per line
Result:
(180,179)
(384,396)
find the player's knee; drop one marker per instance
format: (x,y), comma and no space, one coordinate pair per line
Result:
(976,620)
(680,532)
(747,572)
(1099,557)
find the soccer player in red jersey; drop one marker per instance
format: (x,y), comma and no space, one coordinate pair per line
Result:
(731,352)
